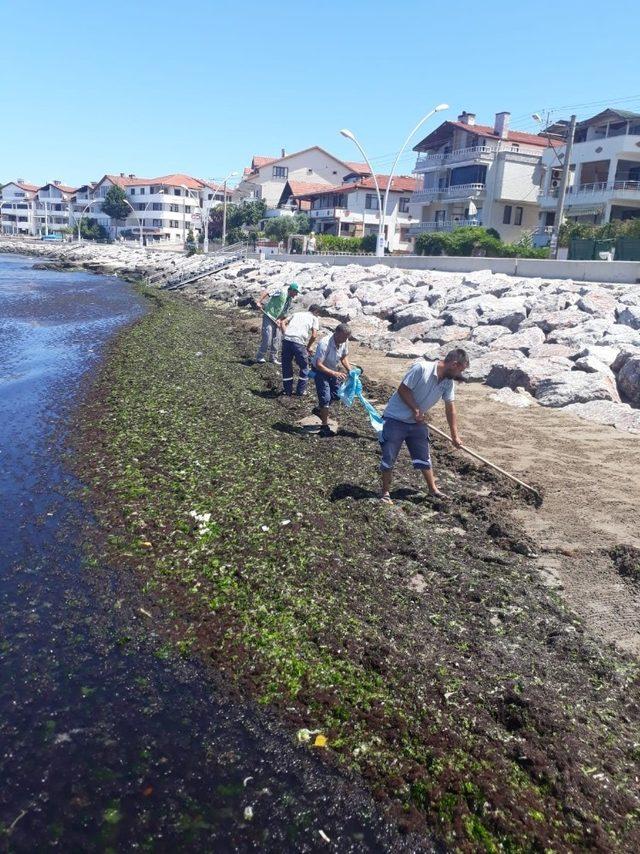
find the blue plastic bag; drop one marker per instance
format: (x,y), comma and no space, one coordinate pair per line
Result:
(351,389)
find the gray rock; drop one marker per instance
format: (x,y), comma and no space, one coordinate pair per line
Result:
(509,312)
(618,415)
(598,303)
(461,317)
(415,312)
(528,373)
(488,334)
(414,351)
(575,387)
(447,334)
(416,331)
(387,308)
(630,316)
(524,340)
(592,365)
(481,367)
(629,380)
(624,354)
(549,321)
(549,351)
(601,352)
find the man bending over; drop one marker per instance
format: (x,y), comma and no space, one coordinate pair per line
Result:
(331,366)
(404,418)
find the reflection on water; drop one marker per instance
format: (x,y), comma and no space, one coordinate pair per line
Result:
(102,744)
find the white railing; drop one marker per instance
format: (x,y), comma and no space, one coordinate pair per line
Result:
(455,191)
(444,225)
(482,152)
(596,187)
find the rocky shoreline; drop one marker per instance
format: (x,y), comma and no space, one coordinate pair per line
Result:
(552,342)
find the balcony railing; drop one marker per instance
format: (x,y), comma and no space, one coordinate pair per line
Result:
(596,187)
(456,191)
(476,152)
(443,225)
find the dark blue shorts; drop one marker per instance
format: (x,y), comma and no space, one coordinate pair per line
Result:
(327,388)
(394,433)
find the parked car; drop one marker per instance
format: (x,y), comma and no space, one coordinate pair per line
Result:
(56,237)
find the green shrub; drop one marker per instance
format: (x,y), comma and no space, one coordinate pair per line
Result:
(470,240)
(351,245)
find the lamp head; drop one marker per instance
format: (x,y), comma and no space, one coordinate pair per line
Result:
(347,134)
(537,117)
(441,107)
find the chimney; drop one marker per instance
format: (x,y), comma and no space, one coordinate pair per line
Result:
(57,183)
(20,181)
(284,153)
(131,175)
(467,118)
(122,174)
(501,126)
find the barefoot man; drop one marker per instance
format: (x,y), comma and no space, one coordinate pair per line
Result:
(404,418)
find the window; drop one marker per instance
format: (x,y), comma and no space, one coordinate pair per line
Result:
(187,208)
(517,220)
(403,206)
(280,171)
(177,193)
(133,191)
(173,223)
(506,217)
(157,223)
(142,190)
(371,202)
(174,208)
(515,146)
(157,206)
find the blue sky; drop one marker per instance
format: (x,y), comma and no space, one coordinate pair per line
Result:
(153,87)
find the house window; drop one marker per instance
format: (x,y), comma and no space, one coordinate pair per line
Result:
(142,191)
(187,208)
(515,146)
(173,208)
(404,205)
(173,223)
(280,171)
(157,223)
(177,193)
(133,191)
(506,217)
(157,206)
(517,220)
(371,202)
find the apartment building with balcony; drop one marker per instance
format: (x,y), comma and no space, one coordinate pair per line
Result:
(604,173)
(267,177)
(472,174)
(17,207)
(53,208)
(351,209)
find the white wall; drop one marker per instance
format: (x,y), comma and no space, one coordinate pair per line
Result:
(313,167)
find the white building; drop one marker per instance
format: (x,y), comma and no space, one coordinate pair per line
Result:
(351,209)
(18,207)
(267,177)
(473,174)
(53,208)
(604,173)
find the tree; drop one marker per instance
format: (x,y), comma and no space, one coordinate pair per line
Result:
(281,227)
(115,205)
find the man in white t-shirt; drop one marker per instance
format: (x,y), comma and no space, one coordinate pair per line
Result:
(331,366)
(404,418)
(300,331)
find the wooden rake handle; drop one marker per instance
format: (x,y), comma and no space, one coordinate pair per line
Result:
(487,462)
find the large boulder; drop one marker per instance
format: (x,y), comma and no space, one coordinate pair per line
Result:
(447,334)
(549,321)
(417,331)
(630,316)
(486,335)
(525,340)
(527,373)
(593,365)
(406,350)
(422,293)
(481,367)
(486,282)
(575,387)
(577,337)
(601,352)
(461,317)
(549,351)
(598,303)
(618,415)
(509,312)
(624,354)
(386,308)
(363,327)
(415,312)
(629,380)
(519,398)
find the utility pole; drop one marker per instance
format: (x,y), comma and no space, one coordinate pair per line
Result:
(562,192)
(224,213)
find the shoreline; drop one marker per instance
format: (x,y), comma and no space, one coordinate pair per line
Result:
(259,656)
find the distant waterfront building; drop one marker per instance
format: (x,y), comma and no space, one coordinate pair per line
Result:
(165,208)
(272,178)
(604,173)
(351,209)
(471,174)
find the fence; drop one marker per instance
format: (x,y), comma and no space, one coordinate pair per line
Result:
(589,249)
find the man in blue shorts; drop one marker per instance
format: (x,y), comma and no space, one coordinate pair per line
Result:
(404,418)
(331,366)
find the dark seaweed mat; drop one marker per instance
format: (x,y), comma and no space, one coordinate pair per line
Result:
(429,652)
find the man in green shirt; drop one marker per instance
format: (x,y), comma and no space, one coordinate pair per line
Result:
(275,308)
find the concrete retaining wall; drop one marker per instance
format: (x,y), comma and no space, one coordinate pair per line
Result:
(580,271)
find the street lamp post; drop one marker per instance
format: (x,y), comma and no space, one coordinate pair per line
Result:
(383,206)
(127,202)
(224,212)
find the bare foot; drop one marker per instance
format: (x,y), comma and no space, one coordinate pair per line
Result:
(436,493)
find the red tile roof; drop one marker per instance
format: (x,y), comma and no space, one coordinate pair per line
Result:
(178,179)
(362,168)
(62,187)
(126,181)
(30,188)
(302,188)
(437,136)
(399,184)
(257,161)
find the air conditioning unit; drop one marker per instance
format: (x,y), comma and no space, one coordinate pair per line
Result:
(555,183)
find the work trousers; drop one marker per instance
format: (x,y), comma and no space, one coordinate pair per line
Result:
(271,339)
(293,351)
